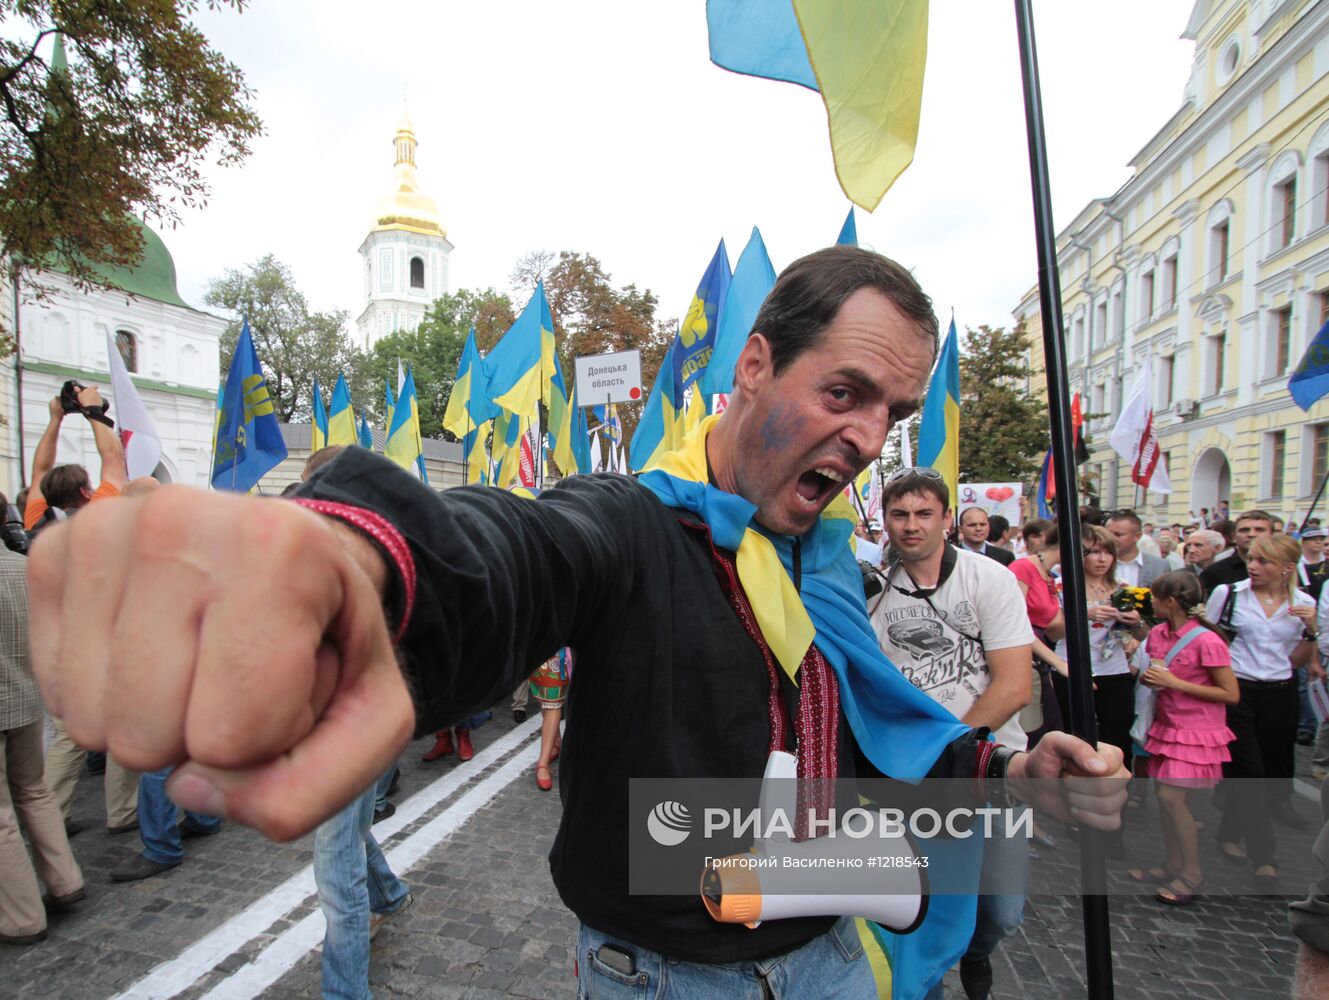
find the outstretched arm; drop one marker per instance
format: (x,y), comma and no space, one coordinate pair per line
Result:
(115,471)
(43,459)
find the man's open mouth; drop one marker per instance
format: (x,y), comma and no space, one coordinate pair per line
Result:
(815,485)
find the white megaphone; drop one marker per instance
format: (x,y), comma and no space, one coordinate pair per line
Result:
(766,883)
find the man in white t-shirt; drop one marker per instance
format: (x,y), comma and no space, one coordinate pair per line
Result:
(955,624)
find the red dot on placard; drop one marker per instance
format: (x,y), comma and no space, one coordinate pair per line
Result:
(634,393)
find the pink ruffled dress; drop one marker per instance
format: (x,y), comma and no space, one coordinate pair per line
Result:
(1189,737)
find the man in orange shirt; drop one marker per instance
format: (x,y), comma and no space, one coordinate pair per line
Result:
(68,487)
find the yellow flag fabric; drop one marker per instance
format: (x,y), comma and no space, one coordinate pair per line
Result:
(779,610)
(877,958)
(868,57)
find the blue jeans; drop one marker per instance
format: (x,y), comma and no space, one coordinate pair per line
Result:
(1307,724)
(381,788)
(831,966)
(353,880)
(156,819)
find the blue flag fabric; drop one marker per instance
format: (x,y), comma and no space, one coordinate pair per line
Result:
(753,278)
(249,440)
(1310,379)
(581,437)
(660,428)
(319,435)
(366,436)
(759,39)
(849,231)
(695,342)
(1044,484)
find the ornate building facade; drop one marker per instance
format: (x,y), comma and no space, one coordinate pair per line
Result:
(1213,260)
(405,254)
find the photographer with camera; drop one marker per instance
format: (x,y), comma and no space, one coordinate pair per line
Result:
(68,487)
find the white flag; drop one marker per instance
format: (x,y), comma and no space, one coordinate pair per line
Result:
(906,452)
(1135,438)
(597,453)
(138,434)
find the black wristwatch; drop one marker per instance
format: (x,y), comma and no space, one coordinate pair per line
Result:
(998,789)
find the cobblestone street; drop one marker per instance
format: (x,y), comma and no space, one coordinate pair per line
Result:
(240,917)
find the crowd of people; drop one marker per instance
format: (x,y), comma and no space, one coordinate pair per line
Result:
(737,628)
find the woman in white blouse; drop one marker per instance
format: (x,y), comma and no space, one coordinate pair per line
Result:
(1275,632)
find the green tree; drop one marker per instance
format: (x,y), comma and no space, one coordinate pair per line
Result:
(433,351)
(294,345)
(123,130)
(1003,429)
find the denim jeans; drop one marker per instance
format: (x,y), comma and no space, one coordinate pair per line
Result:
(831,966)
(353,880)
(1307,724)
(381,788)
(156,819)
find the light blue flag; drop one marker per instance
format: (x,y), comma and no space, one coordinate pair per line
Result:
(514,365)
(753,278)
(695,342)
(759,38)
(319,435)
(1310,380)
(366,436)
(659,429)
(939,427)
(581,437)
(248,441)
(849,231)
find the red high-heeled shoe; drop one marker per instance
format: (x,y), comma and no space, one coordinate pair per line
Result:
(543,783)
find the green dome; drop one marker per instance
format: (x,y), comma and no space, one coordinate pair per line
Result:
(152,278)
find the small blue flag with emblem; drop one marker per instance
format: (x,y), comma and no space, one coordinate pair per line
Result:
(1310,380)
(249,440)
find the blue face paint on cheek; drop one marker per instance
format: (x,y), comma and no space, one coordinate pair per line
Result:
(779,428)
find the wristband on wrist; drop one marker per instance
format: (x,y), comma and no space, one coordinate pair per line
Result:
(998,764)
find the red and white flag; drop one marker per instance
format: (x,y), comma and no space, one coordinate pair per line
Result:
(138,434)
(526,467)
(1135,438)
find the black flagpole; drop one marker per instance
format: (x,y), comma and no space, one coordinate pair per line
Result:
(1097,936)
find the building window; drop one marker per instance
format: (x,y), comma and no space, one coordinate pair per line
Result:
(127,345)
(1219,242)
(1319,443)
(1146,297)
(1100,323)
(1282,339)
(1169,279)
(1166,366)
(417,273)
(1118,314)
(1276,443)
(1220,361)
(1285,212)
(1324,309)
(1319,189)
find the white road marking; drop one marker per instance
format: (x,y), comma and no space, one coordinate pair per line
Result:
(200,958)
(293,944)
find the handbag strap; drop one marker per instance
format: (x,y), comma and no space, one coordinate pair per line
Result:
(1182,643)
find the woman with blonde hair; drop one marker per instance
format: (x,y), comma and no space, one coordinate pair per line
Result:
(1273,627)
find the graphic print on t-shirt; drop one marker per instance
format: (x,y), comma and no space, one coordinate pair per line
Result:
(931,651)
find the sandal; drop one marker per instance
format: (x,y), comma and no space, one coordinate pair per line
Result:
(1237,857)
(1174,897)
(1269,880)
(544,778)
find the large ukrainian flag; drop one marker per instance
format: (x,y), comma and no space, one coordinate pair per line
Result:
(515,365)
(939,428)
(660,429)
(341,418)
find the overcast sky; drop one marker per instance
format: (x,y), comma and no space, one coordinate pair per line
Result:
(601,126)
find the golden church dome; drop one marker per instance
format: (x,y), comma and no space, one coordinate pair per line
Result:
(406,206)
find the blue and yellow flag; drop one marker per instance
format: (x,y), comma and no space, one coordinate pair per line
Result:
(865,57)
(581,437)
(475,455)
(403,445)
(849,231)
(505,449)
(318,435)
(753,278)
(557,399)
(695,342)
(660,429)
(248,441)
(1310,380)
(468,406)
(390,404)
(341,418)
(365,435)
(515,365)
(939,427)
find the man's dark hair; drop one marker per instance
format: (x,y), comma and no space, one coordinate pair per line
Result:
(1090,515)
(1036,526)
(1228,529)
(63,487)
(809,293)
(914,482)
(321,458)
(997,526)
(1255,515)
(1125,515)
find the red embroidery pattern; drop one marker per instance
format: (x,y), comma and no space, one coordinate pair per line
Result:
(381,530)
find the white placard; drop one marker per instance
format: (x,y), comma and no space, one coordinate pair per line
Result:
(991,498)
(608,378)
